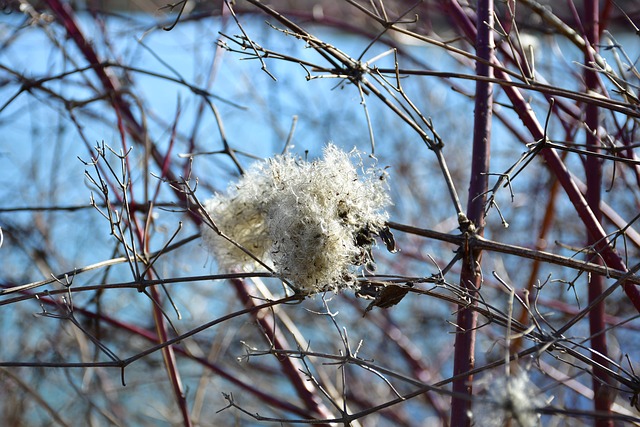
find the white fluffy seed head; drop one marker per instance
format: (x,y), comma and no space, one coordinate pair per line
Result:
(514,398)
(312,222)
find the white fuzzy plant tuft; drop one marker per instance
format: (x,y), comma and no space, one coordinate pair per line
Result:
(313,223)
(509,399)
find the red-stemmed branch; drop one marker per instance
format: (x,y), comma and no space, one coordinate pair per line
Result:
(552,159)
(471,276)
(593,171)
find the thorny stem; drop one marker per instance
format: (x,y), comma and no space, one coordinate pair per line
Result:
(471,276)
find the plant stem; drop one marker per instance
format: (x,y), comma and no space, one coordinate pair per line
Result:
(169,357)
(552,159)
(470,277)
(593,166)
(291,367)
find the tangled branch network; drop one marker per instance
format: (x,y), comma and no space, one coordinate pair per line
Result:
(311,223)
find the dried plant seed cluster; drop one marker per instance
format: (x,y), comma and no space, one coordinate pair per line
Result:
(510,399)
(314,222)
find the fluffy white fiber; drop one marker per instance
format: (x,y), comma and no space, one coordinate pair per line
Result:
(312,222)
(509,399)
